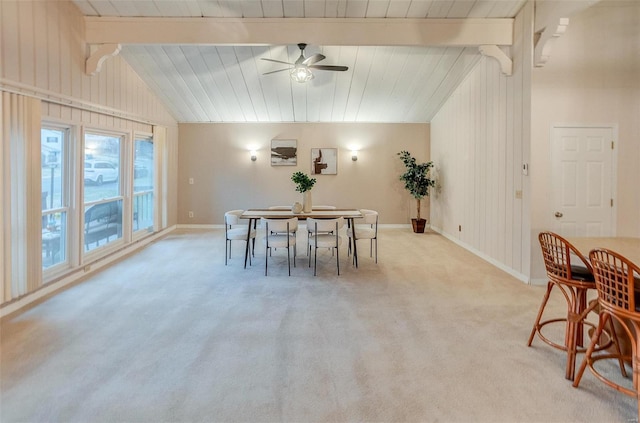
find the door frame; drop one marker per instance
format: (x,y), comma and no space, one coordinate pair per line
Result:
(614,161)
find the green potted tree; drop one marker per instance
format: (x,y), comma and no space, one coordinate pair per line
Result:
(417,181)
(303,185)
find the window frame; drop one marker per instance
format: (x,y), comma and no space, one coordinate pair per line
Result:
(148,230)
(67,206)
(101,251)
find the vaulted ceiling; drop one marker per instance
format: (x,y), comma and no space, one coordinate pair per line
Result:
(203,57)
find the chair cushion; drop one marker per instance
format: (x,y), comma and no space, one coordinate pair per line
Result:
(240,233)
(325,240)
(279,240)
(581,273)
(362,233)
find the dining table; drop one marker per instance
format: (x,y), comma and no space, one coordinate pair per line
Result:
(253,215)
(626,246)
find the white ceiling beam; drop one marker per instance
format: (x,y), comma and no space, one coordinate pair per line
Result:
(319,31)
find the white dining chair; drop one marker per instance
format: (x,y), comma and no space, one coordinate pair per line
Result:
(236,232)
(326,234)
(278,234)
(367,230)
(318,208)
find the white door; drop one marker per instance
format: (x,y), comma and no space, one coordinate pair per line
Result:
(583,181)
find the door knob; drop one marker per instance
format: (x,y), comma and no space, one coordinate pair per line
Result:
(558,214)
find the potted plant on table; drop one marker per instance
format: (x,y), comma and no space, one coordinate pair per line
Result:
(417,181)
(303,185)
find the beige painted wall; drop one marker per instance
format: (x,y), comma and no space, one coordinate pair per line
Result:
(217,157)
(592,77)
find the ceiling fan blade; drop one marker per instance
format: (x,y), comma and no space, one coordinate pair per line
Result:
(329,67)
(313,59)
(276,61)
(279,70)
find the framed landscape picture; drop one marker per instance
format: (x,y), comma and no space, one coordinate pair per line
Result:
(284,152)
(324,161)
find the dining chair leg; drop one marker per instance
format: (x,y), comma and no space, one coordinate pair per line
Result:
(315,260)
(338,258)
(376,250)
(266,258)
(226,250)
(536,324)
(289,259)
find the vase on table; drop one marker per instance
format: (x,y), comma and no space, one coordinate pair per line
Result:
(306,202)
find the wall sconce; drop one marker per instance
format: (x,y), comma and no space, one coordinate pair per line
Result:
(254,156)
(354,155)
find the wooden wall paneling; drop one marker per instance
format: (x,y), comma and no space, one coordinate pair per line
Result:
(231,67)
(249,70)
(327,96)
(9,48)
(26,58)
(199,67)
(192,110)
(401,9)
(509,182)
(40,35)
(501,165)
(430,83)
(393,112)
(356,8)
(370,101)
(343,86)
(361,71)
(377,9)
(173,56)
(393,72)
(216,70)
(274,9)
(490,211)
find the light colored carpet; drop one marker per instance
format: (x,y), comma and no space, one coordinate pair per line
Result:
(430,334)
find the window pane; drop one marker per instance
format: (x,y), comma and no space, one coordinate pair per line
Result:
(101,167)
(143,172)
(54,204)
(54,239)
(102,224)
(52,141)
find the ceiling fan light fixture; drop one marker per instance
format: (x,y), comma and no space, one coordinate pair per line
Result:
(301,74)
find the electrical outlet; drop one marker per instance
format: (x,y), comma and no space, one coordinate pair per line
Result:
(190,214)
(459,228)
(518,194)
(191,183)
(87,268)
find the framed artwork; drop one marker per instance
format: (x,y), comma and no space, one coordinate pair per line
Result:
(284,152)
(324,161)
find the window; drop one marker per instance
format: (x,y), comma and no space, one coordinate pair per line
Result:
(143,186)
(55,204)
(103,200)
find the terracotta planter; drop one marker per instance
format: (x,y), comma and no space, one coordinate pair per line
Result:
(418,225)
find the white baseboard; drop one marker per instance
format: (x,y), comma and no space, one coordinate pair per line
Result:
(80,273)
(217,226)
(521,277)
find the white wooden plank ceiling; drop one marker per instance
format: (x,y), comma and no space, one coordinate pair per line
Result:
(225,83)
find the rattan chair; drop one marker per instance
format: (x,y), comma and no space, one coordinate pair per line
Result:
(617,281)
(573,281)
(234,233)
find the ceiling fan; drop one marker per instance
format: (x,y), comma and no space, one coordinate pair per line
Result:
(300,71)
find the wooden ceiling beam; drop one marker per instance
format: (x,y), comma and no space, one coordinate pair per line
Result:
(318,31)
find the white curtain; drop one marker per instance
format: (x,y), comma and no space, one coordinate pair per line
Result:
(161,171)
(20,190)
